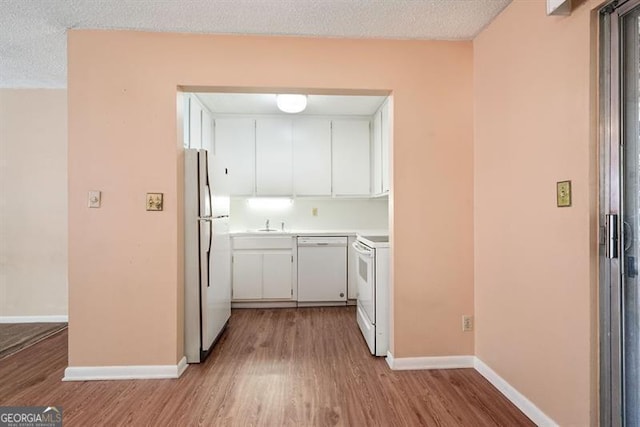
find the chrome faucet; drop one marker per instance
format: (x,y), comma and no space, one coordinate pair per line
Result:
(266,225)
(282,225)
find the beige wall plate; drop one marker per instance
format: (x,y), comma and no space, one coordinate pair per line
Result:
(563,193)
(154,201)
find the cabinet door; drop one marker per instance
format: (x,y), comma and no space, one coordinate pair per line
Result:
(376,138)
(312,157)
(277,275)
(195,123)
(235,144)
(186,122)
(351,159)
(386,138)
(247,276)
(207,132)
(274,166)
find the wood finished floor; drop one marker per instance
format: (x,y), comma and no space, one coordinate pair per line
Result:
(297,367)
(16,336)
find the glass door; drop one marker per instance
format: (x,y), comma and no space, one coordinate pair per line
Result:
(620,216)
(630,96)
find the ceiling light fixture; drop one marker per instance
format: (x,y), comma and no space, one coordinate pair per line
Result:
(291,103)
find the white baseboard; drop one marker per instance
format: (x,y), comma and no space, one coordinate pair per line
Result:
(456,362)
(182,366)
(99,373)
(322,304)
(517,398)
(256,304)
(436,362)
(35,319)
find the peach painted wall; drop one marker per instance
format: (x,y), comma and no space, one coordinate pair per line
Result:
(535,283)
(125,263)
(33,202)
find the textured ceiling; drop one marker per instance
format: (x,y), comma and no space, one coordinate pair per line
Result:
(33,42)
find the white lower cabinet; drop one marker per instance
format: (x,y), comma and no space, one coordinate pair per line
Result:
(263,268)
(274,269)
(247,275)
(276,275)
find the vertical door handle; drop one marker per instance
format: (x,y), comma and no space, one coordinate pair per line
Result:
(611,229)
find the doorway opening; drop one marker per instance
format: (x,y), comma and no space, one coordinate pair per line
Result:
(287,195)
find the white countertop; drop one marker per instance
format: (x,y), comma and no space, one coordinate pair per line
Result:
(295,233)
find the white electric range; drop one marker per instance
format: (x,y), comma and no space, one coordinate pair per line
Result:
(372,263)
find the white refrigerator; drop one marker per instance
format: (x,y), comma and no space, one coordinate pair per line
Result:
(207,286)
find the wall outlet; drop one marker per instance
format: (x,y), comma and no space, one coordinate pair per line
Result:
(314,211)
(467,323)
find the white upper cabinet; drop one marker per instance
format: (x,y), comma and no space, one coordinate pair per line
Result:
(351,157)
(386,138)
(295,156)
(381,135)
(207,132)
(376,137)
(235,156)
(312,157)
(186,101)
(195,123)
(207,144)
(274,155)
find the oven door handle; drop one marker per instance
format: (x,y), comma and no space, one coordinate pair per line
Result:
(362,250)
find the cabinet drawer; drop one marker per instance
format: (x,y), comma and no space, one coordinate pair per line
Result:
(263,242)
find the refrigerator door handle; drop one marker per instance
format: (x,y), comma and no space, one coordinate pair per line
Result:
(209,262)
(210,236)
(210,204)
(210,213)
(209,253)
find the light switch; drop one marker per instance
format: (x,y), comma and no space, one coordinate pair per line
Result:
(314,211)
(154,201)
(94,199)
(563,194)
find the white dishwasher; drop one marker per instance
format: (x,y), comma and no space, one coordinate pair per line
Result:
(322,269)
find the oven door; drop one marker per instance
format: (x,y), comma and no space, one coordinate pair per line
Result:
(365,262)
